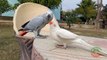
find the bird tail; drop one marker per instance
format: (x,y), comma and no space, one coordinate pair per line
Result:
(84,45)
(103,51)
(25,24)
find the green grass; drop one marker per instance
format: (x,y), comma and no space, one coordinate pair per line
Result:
(9,48)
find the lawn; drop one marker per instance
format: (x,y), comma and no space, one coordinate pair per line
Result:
(90,32)
(9,48)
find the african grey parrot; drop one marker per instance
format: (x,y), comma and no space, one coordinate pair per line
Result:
(36,24)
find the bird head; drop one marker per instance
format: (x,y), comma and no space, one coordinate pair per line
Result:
(49,15)
(51,23)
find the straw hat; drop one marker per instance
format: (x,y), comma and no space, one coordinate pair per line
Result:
(26,12)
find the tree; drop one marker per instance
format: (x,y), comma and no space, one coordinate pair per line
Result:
(4,6)
(86,9)
(104,16)
(99,6)
(69,17)
(49,3)
(104,12)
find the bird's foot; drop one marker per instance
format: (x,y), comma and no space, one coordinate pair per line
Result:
(41,36)
(61,46)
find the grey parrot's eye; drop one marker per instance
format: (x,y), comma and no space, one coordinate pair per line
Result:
(49,16)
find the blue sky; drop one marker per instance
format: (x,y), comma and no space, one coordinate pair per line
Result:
(71,4)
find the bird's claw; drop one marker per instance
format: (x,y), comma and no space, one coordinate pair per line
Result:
(60,46)
(41,36)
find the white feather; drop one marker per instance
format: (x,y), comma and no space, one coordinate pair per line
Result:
(64,34)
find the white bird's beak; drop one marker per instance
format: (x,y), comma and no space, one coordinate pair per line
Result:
(50,22)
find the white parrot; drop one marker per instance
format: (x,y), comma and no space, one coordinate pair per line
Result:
(67,38)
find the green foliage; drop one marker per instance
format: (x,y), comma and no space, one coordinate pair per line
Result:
(87,9)
(70,17)
(49,3)
(15,6)
(23,1)
(4,6)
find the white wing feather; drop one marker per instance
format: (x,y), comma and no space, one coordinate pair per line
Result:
(65,34)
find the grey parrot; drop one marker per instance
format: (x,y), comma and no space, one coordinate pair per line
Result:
(36,24)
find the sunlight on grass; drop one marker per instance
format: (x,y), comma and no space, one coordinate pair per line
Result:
(91,33)
(9,48)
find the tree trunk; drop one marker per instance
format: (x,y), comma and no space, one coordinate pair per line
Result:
(69,26)
(87,22)
(99,2)
(97,19)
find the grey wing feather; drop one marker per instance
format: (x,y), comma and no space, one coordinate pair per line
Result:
(25,24)
(34,23)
